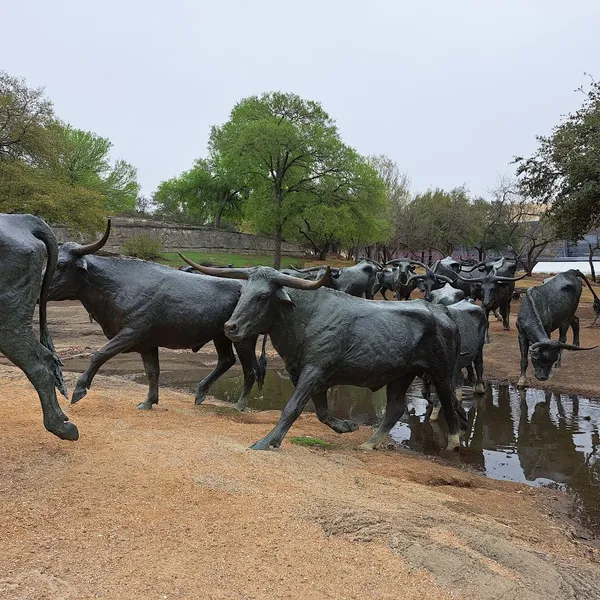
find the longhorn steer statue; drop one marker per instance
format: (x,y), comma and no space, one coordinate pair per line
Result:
(496,293)
(428,282)
(544,309)
(327,338)
(142,306)
(404,269)
(27,247)
(385,281)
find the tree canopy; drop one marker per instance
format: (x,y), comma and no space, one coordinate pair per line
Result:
(564,172)
(300,178)
(52,170)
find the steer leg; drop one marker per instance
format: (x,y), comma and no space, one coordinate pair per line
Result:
(562,337)
(524,347)
(478,364)
(487,326)
(225,360)
(505,312)
(37,362)
(383,291)
(309,377)
(497,315)
(394,409)
(246,350)
(575,327)
(152,368)
(124,340)
(338,425)
(453,412)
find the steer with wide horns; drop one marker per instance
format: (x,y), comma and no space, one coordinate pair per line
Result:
(327,338)
(496,293)
(142,306)
(544,309)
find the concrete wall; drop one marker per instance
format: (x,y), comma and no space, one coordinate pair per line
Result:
(174,237)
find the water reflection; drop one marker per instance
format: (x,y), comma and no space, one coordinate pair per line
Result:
(531,436)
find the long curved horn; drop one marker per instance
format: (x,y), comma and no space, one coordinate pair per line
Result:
(477,266)
(374,262)
(507,279)
(444,278)
(308,270)
(420,264)
(302,284)
(471,279)
(558,344)
(396,261)
(414,277)
(91,248)
(217,272)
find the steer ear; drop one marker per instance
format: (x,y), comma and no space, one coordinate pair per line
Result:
(284,297)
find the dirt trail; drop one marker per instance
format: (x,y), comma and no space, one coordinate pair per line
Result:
(172,504)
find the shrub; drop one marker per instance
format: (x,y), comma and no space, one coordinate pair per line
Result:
(142,246)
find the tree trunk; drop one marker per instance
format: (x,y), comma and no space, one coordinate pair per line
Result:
(218,220)
(278,227)
(591,260)
(277,258)
(323,253)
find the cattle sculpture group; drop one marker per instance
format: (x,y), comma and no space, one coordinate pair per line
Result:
(322,322)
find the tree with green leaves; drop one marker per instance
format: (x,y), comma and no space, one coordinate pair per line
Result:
(86,161)
(51,170)
(204,194)
(564,172)
(283,149)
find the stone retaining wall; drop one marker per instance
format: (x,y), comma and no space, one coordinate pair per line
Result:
(175,237)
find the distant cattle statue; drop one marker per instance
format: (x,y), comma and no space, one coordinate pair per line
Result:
(27,246)
(545,309)
(142,306)
(328,338)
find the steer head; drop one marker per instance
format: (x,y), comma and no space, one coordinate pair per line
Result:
(261,298)
(544,354)
(490,286)
(72,267)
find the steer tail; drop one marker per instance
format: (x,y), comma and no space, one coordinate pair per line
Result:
(596,299)
(45,235)
(261,365)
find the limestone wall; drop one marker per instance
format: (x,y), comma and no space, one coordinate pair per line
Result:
(174,237)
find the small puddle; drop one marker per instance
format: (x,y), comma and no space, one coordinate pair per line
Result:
(533,436)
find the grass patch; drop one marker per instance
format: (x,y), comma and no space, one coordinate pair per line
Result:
(311,442)
(224,259)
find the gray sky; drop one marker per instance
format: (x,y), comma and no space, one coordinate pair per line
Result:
(450,89)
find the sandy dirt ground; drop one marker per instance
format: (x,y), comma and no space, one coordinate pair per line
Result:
(172,504)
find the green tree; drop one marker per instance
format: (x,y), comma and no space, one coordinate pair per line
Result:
(441,221)
(349,212)
(280,147)
(86,161)
(564,172)
(204,194)
(52,170)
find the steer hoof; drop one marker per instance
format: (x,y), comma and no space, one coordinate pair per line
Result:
(241,405)
(144,405)
(453,442)
(480,388)
(367,446)
(78,394)
(200,396)
(522,382)
(261,445)
(349,426)
(435,413)
(65,431)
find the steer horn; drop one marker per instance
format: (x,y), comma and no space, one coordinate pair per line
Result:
(443,278)
(302,284)
(373,261)
(558,344)
(218,272)
(471,279)
(308,270)
(91,248)
(501,279)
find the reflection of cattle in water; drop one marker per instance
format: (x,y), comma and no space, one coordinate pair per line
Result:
(547,449)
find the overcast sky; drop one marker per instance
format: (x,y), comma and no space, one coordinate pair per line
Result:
(450,89)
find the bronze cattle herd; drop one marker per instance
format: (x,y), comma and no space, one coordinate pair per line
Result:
(321,321)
